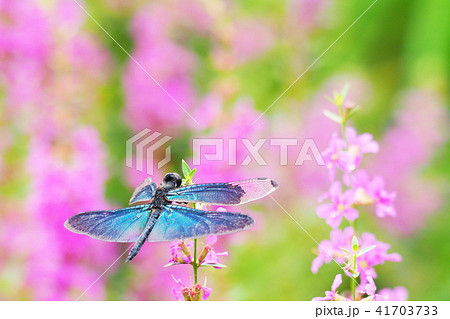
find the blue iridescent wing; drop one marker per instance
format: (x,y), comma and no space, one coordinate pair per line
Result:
(178,223)
(144,192)
(121,225)
(232,193)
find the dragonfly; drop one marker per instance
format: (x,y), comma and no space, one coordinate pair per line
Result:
(160,213)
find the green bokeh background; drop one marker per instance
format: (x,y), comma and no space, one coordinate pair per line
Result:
(395,46)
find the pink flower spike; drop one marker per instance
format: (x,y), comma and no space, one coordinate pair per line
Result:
(359,145)
(371,192)
(336,156)
(194,293)
(383,199)
(341,206)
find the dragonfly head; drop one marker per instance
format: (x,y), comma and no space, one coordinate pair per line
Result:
(171,180)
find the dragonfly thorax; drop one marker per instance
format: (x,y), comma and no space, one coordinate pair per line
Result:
(160,199)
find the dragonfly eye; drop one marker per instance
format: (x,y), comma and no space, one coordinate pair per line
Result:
(172,180)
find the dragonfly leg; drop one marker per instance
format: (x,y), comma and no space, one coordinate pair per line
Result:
(143,237)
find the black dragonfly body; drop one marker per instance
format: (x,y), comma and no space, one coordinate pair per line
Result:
(154,217)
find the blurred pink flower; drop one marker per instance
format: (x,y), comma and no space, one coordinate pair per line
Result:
(246,39)
(331,249)
(252,39)
(170,64)
(309,13)
(59,172)
(68,15)
(386,294)
(25,47)
(335,155)
(394,294)
(207,112)
(331,295)
(376,256)
(149,106)
(419,131)
(347,154)
(231,130)
(370,290)
(359,145)
(371,192)
(340,207)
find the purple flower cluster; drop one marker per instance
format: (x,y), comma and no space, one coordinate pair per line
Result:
(346,154)
(181,253)
(331,249)
(196,292)
(386,294)
(47,59)
(186,253)
(357,254)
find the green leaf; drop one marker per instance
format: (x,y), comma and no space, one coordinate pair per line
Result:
(344,92)
(186,169)
(353,111)
(355,244)
(345,250)
(191,175)
(330,99)
(213,265)
(365,250)
(336,95)
(334,117)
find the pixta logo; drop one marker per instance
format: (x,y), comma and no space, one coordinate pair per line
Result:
(144,145)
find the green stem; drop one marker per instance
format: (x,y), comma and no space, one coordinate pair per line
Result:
(353,286)
(353,225)
(194,264)
(344,125)
(353,281)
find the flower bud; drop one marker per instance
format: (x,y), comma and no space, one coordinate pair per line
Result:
(184,249)
(204,253)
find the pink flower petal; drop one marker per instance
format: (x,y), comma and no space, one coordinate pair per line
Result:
(324,210)
(336,283)
(370,287)
(351,213)
(334,222)
(335,191)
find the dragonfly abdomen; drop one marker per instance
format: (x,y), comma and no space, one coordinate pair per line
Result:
(145,233)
